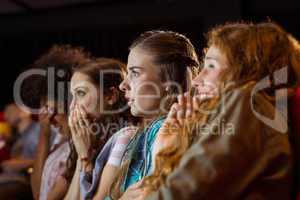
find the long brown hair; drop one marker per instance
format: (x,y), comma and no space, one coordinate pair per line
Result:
(253,52)
(174,54)
(110,80)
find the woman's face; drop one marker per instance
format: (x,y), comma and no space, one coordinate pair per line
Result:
(86,94)
(208,80)
(142,85)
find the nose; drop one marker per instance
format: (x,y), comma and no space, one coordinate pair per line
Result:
(124,85)
(198,80)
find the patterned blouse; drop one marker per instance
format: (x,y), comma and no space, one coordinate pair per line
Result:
(54,167)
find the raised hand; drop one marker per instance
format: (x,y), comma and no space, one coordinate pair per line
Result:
(80,130)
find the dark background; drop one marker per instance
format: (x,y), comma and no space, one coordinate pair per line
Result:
(107,27)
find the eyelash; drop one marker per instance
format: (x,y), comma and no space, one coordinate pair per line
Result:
(80,93)
(211,66)
(134,74)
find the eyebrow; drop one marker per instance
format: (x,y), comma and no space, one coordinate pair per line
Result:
(78,87)
(133,68)
(210,58)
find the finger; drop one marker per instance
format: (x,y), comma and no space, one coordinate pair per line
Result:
(80,122)
(83,116)
(71,125)
(70,121)
(180,114)
(188,106)
(180,99)
(172,112)
(172,115)
(196,104)
(74,122)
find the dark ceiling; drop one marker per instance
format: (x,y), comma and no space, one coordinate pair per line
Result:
(19,6)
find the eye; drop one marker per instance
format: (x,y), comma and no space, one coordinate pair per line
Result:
(211,66)
(134,74)
(80,93)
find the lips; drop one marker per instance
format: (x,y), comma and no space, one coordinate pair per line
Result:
(129,100)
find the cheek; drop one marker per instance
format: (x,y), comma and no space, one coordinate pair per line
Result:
(90,103)
(213,76)
(148,97)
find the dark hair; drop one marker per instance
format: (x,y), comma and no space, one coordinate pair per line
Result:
(93,70)
(62,59)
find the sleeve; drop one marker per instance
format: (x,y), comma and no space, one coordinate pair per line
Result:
(89,181)
(122,140)
(225,158)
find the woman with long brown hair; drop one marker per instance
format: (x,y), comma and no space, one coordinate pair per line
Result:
(97,111)
(229,146)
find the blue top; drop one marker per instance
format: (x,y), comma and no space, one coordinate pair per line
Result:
(89,181)
(140,152)
(26,144)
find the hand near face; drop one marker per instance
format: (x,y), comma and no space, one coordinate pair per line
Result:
(80,130)
(46,115)
(181,115)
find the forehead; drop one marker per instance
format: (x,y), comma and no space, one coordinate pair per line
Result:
(214,52)
(139,58)
(79,80)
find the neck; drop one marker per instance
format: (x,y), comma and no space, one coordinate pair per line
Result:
(23,124)
(147,120)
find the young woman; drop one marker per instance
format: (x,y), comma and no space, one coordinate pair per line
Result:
(97,111)
(226,147)
(159,67)
(47,180)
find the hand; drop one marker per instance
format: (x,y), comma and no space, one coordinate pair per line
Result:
(181,115)
(188,108)
(80,131)
(135,192)
(46,115)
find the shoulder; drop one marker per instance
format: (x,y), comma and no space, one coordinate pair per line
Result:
(128,131)
(124,135)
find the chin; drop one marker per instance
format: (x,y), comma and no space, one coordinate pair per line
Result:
(134,112)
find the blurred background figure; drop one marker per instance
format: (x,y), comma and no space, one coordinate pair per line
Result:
(14,179)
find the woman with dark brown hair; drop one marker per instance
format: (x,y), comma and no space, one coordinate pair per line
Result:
(231,142)
(97,112)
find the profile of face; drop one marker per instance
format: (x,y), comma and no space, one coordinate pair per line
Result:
(208,80)
(60,118)
(86,94)
(142,85)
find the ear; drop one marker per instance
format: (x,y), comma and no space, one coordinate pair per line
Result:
(112,96)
